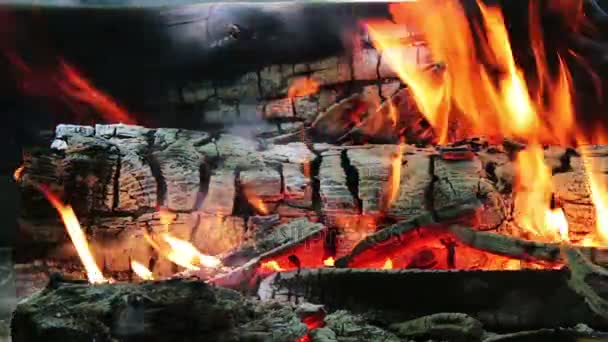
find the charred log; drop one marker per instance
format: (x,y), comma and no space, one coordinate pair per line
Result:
(501,300)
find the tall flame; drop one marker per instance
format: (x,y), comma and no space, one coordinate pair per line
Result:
(533,192)
(77,236)
(482,86)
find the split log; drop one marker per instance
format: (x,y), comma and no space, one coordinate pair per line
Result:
(501,300)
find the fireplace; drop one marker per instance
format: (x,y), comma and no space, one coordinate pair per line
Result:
(419,170)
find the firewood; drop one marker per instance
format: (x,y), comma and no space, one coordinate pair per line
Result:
(150,311)
(500,300)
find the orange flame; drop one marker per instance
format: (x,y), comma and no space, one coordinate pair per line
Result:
(329,262)
(388,265)
(142,271)
(482,87)
(271,266)
(533,192)
(302,86)
(77,236)
(18,172)
(78,88)
(256,202)
(63,82)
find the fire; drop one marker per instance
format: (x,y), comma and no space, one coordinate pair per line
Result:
(394,179)
(18,172)
(481,87)
(271,266)
(257,203)
(183,253)
(65,83)
(179,251)
(77,236)
(393,113)
(142,271)
(388,265)
(303,86)
(533,192)
(329,262)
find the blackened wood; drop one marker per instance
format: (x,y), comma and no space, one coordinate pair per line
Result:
(501,300)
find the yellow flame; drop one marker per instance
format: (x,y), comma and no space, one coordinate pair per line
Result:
(533,192)
(329,261)
(78,238)
(394,179)
(142,271)
(272,266)
(183,253)
(388,265)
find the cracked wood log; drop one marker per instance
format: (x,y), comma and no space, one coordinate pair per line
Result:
(501,301)
(122,173)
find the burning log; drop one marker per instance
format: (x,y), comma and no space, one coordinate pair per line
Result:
(500,300)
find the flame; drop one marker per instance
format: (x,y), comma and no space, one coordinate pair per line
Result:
(392,113)
(427,92)
(394,179)
(63,82)
(271,266)
(482,88)
(142,271)
(179,251)
(329,262)
(18,172)
(302,86)
(388,265)
(183,253)
(77,236)
(256,202)
(533,196)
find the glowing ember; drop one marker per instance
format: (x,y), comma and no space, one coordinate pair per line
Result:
(142,271)
(388,265)
(302,87)
(271,266)
(329,262)
(77,236)
(18,172)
